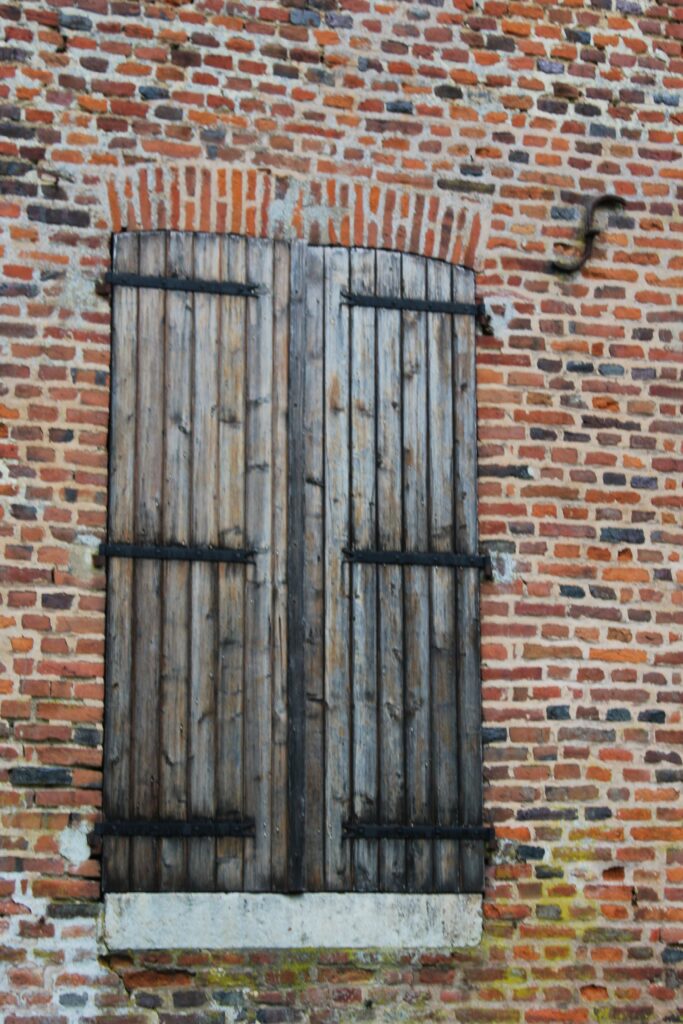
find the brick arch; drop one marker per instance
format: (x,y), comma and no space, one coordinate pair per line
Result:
(191,197)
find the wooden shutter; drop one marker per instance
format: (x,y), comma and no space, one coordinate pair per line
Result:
(197,600)
(292,622)
(391,575)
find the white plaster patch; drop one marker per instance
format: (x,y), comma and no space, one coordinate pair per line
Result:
(81,555)
(504,852)
(77,291)
(500,310)
(502,567)
(73,843)
(271,921)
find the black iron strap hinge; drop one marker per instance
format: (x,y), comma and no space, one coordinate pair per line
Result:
(416,305)
(179,284)
(175,829)
(176,552)
(375,830)
(434,559)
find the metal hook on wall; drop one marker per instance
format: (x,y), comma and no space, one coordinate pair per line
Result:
(590,232)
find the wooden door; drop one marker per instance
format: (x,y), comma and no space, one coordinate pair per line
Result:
(195,780)
(292,612)
(391,575)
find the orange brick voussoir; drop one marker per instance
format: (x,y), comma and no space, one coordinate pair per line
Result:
(240,200)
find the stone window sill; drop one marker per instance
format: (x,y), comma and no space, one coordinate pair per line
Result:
(137,921)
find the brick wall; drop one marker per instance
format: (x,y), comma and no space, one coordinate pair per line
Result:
(465,130)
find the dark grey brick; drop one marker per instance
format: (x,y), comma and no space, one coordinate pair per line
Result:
(40,776)
(618,715)
(525,852)
(621,535)
(494,734)
(57,215)
(652,715)
(75,22)
(558,712)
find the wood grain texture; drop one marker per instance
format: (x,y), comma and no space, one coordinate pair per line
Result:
(258,605)
(175,576)
(147,574)
(363,577)
(296,680)
(278,567)
(314,600)
(300,691)
(204,590)
(469,684)
(443,742)
(337,632)
(119,642)
(416,589)
(231,578)
(392,779)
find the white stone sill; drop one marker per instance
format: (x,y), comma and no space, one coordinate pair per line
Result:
(144,921)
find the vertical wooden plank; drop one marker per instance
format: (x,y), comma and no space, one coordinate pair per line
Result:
(296,680)
(204,530)
(416,589)
(147,574)
(363,577)
(176,575)
(469,687)
(119,647)
(231,578)
(337,668)
(278,568)
(443,784)
(258,663)
(314,607)
(390,577)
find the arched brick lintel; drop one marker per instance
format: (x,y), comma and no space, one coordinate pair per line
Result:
(191,197)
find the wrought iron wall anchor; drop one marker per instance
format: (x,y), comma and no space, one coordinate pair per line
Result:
(103,287)
(590,232)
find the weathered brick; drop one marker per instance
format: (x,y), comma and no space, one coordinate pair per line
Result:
(52,215)
(472,136)
(38,776)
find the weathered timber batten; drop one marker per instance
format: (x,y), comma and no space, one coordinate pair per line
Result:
(293,694)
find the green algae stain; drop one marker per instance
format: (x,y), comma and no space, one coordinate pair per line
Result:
(515,977)
(221,977)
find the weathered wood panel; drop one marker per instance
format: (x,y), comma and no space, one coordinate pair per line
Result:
(392,802)
(337,572)
(231,578)
(296,680)
(469,685)
(258,602)
(363,459)
(444,759)
(416,583)
(119,644)
(278,570)
(314,586)
(204,530)
(147,577)
(174,696)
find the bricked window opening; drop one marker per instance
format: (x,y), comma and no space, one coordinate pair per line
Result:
(292,678)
